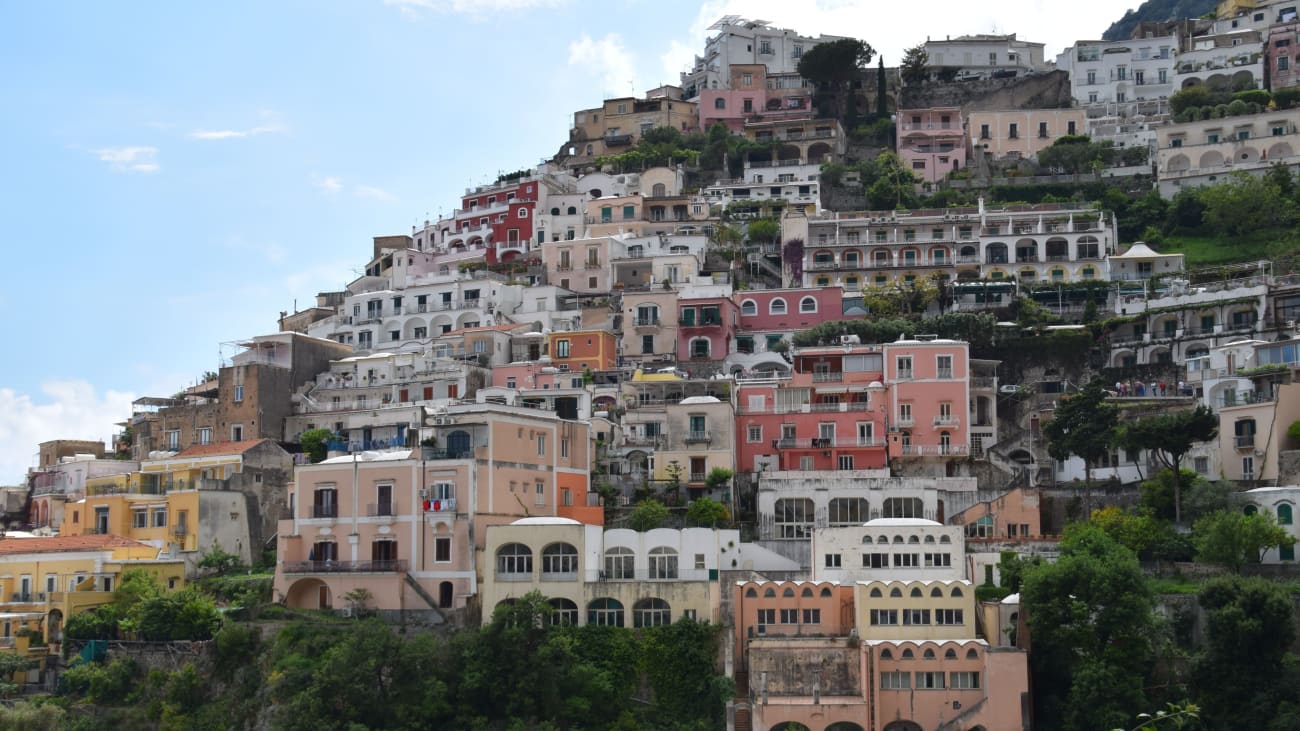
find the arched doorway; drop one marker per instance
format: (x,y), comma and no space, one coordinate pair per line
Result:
(54,626)
(444,594)
(903,726)
(309,594)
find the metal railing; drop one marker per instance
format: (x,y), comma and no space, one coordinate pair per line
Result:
(343,567)
(1244,441)
(828,377)
(324,511)
(697,436)
(934,450)
(377,510)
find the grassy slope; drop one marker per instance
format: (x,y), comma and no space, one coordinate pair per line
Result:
(1201,251)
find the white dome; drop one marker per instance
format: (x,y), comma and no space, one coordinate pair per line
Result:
(897,522)
(546,520)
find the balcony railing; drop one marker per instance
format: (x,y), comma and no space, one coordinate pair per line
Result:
(324,511)
(697,477)
(947,421)
(905,374)
(343,567)
(694,437)
(944,373)
(934,450)
(828,377)
(647,322)
(1245,441)
(826,443)
(30,597)
(380,510)
(441,505)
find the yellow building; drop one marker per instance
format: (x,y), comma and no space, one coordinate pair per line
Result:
(44,581)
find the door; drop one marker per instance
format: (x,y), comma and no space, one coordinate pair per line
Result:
(458,444)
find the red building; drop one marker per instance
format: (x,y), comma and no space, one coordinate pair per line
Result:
(770,315)
(706,325)
(497,218)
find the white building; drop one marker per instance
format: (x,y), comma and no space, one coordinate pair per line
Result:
(889,549)
(983,56)
(740,41)
(1120,71)
(1280,502)
(1208,150)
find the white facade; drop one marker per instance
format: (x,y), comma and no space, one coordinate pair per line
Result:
(1120,71)
(889,549)
(1230,60)
(1280,502)
(982,56)
(1207,151)
(740,41)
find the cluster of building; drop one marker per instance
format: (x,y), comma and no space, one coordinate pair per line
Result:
(498,381)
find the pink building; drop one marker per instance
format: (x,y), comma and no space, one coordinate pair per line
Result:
(408,526)
(932,142)
(1283,38)
(769,315)
(581,265)
(753,97)
(706,326)
(853,407)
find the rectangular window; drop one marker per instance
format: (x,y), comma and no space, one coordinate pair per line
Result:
(754,434)
(766,616)
(907,560)
(1042,129)
(984,132)
(159,518)
(833,560)
(896,680)
(564,447)
(1013,131)
(929,681)
(540,493)
(442,549)
(964,680)
(205,435)
(812,616)
(845,462)
(789,616)
(139,519)
(541,445)
(904,365)
(948,616)
(884,616)
(916,616)
(938,560)
(943,364)
(174,440)
(239,394)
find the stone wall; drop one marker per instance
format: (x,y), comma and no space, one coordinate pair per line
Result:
(1038,91)
(785,667)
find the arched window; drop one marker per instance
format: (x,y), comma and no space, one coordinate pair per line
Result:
(929,654)
(898,539)
(929,539)
(659,190)
(875,593)
(945,539)
(514,560)
(751,593)
(826,591)
(605,613)
(916,591)
(956,591)
(663,563)
(776,306)
(908,654)
(971,654)
(769,593)
(749,308)
(559,561)
(807,592)
(620,563)
(950,654)
(886,654)
(720,103)
(788,592)
(914,540)
(866,539)
(896,593)
(700,347)
(807,304)
(566,612)
(1284,514)
(936,591)
(1250,510)
(555,211)
(572,211)
(651,612)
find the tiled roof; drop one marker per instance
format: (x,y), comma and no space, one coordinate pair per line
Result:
(54,544)
(217,448)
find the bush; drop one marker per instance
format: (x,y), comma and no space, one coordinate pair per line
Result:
(1293,433)
(648,515)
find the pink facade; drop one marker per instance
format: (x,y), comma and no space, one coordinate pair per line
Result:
(580,265)
(1000,677)
(1015,514)
(407,526)
(754,97)
(823,416)
(706,327)
(932,142)
(1282,53)
(829,610)
(787,310)
(929,398)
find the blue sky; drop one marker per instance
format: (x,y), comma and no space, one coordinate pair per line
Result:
(178,173)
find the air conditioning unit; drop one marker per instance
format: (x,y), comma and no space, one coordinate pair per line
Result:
(443,421)
(1260,453)
(850,340)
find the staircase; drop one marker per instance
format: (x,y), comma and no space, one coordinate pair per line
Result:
(744,718)
(744,715)
(419,590)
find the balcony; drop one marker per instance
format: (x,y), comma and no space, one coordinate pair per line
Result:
(904,374)
(934,450)
(1244,441)
(30,597)
(946,422)
(324,511)
(827,443)
(828,377)
(697,437)
(343,567)
(440,505)
(697,477)
(647,322)
(945,373)
(381,510)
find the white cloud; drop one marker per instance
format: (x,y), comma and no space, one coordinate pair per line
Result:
(271,124)
(609,60)
(138,159)
(411,9)
(64,410)
(370,192)
(330,185)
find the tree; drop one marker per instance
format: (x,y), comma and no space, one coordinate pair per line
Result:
(913,67)
(1279,175)
(1084,427)
(882,93)
(315,442)
(1171,436)
(1233,539)
(1244,203)
(764,230)
(707,513)
(792,257)
(1091,619)
(1241,676)
(219,561)
(889,184)
(648,515)
(1200,496)
(1137,532)
(834,65)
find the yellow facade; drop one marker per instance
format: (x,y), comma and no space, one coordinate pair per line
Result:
(916,610)
(131,506)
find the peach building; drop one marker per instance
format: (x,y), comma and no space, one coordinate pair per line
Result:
(409,526)
(581,350)
(932,142)
(1023,133)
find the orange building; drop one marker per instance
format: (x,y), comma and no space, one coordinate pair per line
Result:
(580,350)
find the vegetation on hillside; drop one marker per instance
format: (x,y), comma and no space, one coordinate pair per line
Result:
(1157,10)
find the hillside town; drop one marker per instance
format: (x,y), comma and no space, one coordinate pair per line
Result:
(794,349)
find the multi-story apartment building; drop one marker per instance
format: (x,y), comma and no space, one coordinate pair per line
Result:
(752,95)
(226,494)
(1206,151)
(1254,418)
(1181,323)
(1022,133)
(47,581)
(1280,46)
(616,125)
(801,142)
(932,142)
(795,184)
(65,466)
(707,318)
(926,550)
(1280,503)
(581,266)
(1105,72)
(409,526)
(1229,58)
(983,56)
(614,578)
(649,321)
(769,316)
(740,42)
(1049,242)
(698,436)
(582,350)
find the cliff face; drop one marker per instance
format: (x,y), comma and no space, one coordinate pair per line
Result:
(1157,10)
(1039,91)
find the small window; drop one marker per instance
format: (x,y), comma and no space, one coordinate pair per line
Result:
(807,304)
(776,306)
